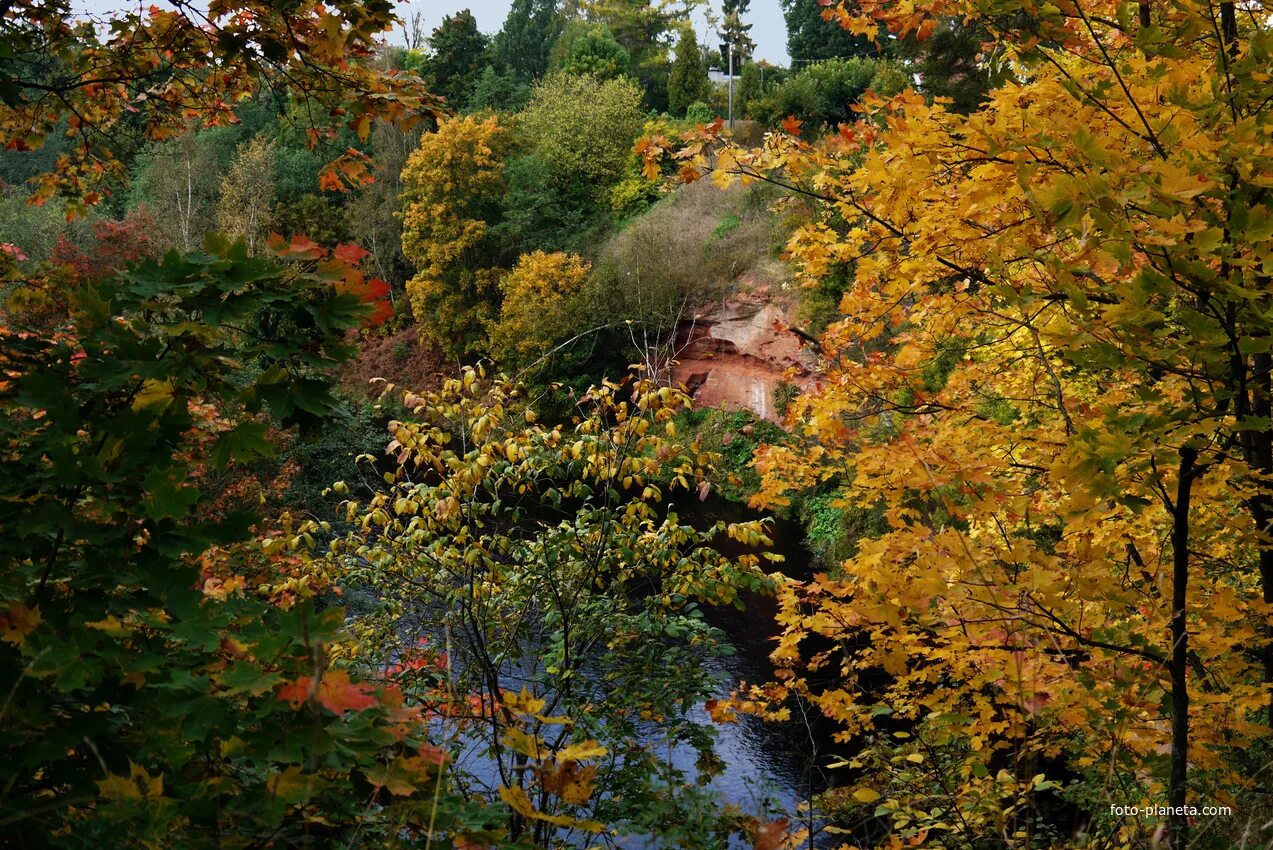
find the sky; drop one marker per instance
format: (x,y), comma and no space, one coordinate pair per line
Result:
(769,28)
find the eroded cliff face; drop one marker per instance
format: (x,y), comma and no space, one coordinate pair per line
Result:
(736,353)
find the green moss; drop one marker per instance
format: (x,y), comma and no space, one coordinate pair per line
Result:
(727,225)
(735,436)
(783,395)
(832,532)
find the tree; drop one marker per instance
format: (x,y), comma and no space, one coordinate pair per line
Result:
(317,217)
(688,82)
(1052,377)
(757,80)
(114,245)
(246,205)
(166,678)
(948,64)
(523,45)
(539,305)
(498,92)
(565,591)
(374,216)
(36,230)
(735,35)
(591,49)
(546,211)
(822,96)
(451,190)
(153,72)
(583,128)
(457,54)
(177,180)
(644,28)
(812,38)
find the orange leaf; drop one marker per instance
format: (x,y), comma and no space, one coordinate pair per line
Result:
(769,835)
(334,692)
(351,253)
(721,712)
(18,622)
(329,181)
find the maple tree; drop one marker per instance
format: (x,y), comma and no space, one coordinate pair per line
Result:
(164,680)
(1052,376)
(151,73)
(116,244)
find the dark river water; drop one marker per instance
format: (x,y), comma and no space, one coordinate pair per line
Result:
(771,767)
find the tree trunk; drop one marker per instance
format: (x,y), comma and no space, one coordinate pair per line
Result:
(1177,789)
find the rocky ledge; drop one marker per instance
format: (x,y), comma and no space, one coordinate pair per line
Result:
(735,354)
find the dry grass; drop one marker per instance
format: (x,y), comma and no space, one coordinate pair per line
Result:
(693,248)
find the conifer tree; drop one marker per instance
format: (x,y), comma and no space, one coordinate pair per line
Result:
(687,82)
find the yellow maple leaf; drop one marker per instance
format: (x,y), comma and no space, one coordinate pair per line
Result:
(18,622)
(156,394)
(583,750)
(516,798)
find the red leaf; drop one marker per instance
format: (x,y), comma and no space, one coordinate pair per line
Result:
(304,246)
(351,254)
(334,692)
(791,125)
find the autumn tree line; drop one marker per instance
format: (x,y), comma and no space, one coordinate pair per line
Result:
(247,601)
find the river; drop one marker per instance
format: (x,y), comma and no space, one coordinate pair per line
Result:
(771,767)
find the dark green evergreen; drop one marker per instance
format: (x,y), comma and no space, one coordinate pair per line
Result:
(734,31)
(523,45)
(457,55)
(687,83)
(811,39)
(947,64)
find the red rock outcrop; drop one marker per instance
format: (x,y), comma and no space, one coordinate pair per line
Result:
(735,354)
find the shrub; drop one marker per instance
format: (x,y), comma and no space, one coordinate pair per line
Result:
(583,128)
(685,251)
(820,95)
(699,113)
(540,305)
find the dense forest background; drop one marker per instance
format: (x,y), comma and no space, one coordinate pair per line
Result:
(541,438)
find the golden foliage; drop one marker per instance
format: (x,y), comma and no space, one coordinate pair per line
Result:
(539,304)
(1051,376)
(451,188)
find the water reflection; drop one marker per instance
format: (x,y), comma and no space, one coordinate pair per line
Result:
(771,767)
